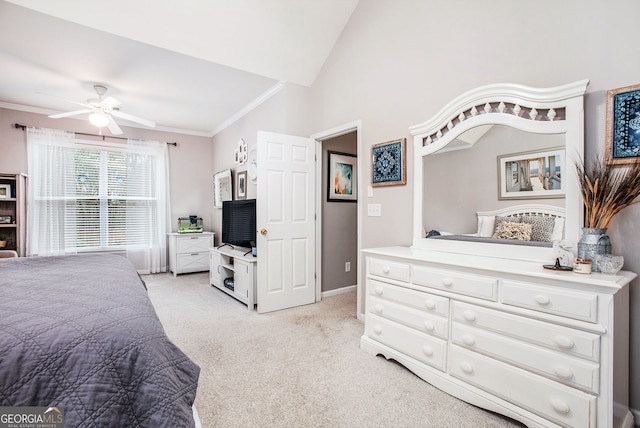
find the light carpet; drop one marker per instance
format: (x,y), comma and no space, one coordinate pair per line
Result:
(299,367)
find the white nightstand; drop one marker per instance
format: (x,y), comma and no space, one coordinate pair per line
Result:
(189,252)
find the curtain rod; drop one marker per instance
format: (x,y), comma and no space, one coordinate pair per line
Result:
(23,127)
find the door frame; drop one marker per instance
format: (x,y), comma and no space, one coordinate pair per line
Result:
(319,138)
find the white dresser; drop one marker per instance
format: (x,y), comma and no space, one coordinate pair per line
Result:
(544,347)
(189,252)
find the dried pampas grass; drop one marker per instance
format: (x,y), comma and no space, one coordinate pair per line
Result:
(606,190)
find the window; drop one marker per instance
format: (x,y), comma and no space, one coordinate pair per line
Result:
(93,196)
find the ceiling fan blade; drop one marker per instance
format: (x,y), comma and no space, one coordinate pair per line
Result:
(109,103)
(70,113)
(113,126)
(132,118)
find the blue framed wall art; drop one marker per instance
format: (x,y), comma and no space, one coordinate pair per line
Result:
(623,125)
(388,163)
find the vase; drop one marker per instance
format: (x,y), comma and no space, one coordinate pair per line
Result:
(594,241)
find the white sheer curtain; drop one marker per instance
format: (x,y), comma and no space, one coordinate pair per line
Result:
(49,193)
(98,196)
(148,163)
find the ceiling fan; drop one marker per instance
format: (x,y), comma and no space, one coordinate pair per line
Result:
(102,110)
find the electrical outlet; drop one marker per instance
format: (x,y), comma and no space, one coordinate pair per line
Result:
(347,267)
(374,210)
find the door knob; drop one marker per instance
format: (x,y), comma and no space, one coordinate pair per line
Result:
(263,231)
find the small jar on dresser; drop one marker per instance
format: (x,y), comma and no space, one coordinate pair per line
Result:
(189,252)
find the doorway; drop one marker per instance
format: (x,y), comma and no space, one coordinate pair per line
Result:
(338,229)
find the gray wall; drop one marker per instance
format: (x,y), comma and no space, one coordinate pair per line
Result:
(339,224)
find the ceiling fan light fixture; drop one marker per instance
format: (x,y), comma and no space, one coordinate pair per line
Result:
(99,119)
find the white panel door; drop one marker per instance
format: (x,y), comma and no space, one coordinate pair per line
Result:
(285,221)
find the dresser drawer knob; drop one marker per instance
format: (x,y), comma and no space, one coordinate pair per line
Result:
(563,342)
(377,329)
(429,326)
(378,291)
(377,309)
(447,282)
(468,340)
(563,372)
(466,367)
(560,406)
(386,270)
(428,350)
(469,316)
(429,304)
(542,300)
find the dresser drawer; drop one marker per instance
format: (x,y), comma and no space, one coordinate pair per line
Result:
(430,303)
(414,318)
(566,303)
(556,337)
(193,244)
(469,285)
(563,405)
(567,369)
(388,269)
(422,347)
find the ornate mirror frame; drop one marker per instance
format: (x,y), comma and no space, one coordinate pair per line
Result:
(556,110)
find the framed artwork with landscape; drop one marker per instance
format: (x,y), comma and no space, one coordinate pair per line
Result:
(623,125)
(341,174)
(532,175)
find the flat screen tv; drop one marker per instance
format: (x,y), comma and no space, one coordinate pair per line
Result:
(239,223)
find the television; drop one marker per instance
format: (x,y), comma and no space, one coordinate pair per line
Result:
(239,223)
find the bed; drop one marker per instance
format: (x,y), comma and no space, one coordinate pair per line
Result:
(532,225)
(80,333)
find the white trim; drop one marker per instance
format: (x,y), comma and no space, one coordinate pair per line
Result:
(341,290)
(319,137)
(249,107)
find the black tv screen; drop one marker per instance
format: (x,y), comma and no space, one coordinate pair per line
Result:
(239,223)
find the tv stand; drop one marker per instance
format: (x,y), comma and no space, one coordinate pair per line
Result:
(227,262)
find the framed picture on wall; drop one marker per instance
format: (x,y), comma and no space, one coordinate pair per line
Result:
(388,163)
(222,187)
(532,175)
(241,185)
(623,125)
(342,173)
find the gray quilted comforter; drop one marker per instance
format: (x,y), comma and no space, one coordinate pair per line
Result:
(79,332)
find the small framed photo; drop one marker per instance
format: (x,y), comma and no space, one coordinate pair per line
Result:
(5,219)
(342,173)
(241,185)
(388,163)
(532,175)
(623,125)
(5,191)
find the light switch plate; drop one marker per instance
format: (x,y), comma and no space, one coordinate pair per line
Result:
(374,210)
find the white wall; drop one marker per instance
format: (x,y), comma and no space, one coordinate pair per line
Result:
(398,62)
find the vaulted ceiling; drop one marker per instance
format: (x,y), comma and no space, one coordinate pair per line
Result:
(192,66)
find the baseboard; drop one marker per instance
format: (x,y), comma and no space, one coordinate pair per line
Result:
(636,416)
(347,289)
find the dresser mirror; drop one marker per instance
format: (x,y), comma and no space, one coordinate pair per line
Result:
(487,137)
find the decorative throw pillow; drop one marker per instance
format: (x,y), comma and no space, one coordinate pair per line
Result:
(501,219)
(515,231)
(542,226)
(486,225)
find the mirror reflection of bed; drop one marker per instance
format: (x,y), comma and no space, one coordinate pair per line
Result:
(463,178)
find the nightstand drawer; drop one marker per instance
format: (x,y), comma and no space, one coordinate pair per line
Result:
(566,303)
(193,244)
(470,285)
(391,270)
(197,262)
(559,403)
(430,303)
(422,347)
(563,339)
